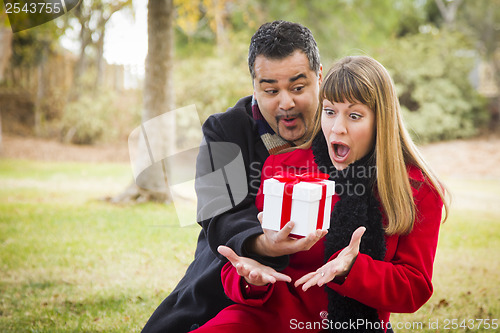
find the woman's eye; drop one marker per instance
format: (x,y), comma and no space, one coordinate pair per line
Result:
(355,116)
(329,112)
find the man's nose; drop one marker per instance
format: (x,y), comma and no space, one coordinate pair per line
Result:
(286,101)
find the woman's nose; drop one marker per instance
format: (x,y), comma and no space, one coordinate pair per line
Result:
(339,126)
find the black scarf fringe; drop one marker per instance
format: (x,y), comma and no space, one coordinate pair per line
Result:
(357,207)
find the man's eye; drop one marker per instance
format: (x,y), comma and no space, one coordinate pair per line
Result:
(271,91)
(300,88)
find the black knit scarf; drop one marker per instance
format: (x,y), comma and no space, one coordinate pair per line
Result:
(357,207)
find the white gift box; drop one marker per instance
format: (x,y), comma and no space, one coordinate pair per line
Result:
(305,205)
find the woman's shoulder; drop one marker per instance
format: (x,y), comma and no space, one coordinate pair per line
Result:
(420,184)
(415,175)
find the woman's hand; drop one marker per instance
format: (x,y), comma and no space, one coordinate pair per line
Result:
(254,272)
(339,266)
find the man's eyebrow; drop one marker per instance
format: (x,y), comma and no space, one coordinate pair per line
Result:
(268,81)
(292,79)
(296,77)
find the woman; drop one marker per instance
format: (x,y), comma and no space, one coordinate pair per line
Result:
(378,255)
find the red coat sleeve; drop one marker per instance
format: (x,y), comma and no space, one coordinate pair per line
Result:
(235,290)
(402,284)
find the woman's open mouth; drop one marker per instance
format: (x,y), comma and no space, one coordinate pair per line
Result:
(340,151)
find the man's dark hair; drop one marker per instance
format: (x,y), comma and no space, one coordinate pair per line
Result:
(279,39)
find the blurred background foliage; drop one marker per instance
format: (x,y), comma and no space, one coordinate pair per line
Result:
(444,57)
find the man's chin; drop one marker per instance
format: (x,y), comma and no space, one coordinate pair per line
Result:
(292,137)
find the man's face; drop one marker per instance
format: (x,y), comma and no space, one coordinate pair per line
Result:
(287,93)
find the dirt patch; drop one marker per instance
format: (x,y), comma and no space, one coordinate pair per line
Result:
(52,150)
(476,158)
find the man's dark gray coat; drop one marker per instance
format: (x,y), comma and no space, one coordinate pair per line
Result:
(199,296)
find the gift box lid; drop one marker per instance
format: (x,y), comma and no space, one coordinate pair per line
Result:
(273,187)
(304,191)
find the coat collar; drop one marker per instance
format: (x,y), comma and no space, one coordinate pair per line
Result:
(304,159)
(299,159)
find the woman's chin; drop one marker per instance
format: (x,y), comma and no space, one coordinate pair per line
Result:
(338,165)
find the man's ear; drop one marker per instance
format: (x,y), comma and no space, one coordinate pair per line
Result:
(320,74)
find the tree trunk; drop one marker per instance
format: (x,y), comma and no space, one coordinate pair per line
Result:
(220,29)
(5,52)
(494,106)
(158,99)
(40,93)
(158,85)
(85,40)
(100,60)
(448,12)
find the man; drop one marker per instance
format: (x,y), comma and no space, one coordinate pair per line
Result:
(286,71)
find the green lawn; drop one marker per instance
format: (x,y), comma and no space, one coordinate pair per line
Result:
(72,263)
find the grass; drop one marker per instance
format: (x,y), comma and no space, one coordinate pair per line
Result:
(466,275)
(72,263)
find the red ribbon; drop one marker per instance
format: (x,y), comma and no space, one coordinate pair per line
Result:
(290,181)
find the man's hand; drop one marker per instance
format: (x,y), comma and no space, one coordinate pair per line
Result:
(278,243)
(339,266)
(254,272)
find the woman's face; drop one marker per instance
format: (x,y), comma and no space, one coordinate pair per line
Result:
(349,130)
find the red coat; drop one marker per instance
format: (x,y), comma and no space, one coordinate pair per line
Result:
(400,283)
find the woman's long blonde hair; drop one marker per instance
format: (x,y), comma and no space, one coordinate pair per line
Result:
(364,80)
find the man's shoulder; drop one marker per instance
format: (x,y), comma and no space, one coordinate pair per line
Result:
(236,121)
(240,112)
